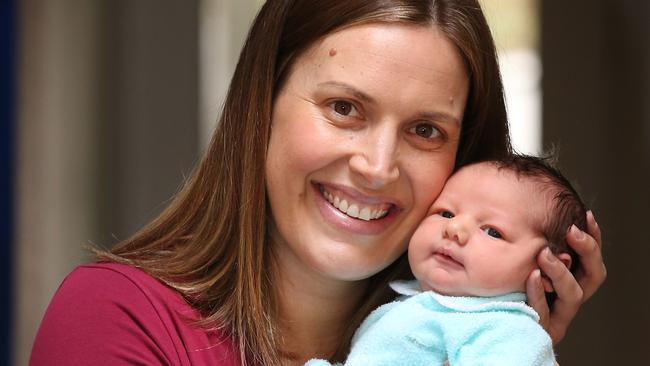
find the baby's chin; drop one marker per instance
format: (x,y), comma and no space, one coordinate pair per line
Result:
(444,289)
(450,290)
(443,282)
(454,283)
(502,289)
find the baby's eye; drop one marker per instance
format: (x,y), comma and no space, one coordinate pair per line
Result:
(446,214)
(493,232)
(343,107)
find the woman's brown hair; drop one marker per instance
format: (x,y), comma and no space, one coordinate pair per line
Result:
(211,244)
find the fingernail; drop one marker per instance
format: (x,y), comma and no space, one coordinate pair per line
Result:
(577,233)
(549,255)
(537,277)
(593,218)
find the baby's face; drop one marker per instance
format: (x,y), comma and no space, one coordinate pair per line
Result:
(481,236)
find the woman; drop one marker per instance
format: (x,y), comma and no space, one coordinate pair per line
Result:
(342,122)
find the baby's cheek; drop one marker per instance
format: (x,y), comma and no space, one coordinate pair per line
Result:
(499,280)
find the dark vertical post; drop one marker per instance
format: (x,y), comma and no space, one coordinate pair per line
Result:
(7,92)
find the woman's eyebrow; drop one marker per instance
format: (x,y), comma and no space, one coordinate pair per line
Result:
(433,116)
(440,117)
(349,89)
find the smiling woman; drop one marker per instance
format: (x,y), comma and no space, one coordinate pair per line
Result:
(340,134)
(342,122)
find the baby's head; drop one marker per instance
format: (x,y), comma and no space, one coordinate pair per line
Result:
(489,223)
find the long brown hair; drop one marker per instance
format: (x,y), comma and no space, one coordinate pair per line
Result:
(211,244)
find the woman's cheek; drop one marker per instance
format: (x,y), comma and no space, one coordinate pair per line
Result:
(429,179)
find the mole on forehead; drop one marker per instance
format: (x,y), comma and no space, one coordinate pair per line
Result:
(332,51)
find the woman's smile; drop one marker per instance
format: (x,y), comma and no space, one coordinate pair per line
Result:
(355,208)
(349,210)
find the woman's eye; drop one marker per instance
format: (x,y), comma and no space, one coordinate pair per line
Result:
(426,130)
(342,107)
(446,214)
(493,232)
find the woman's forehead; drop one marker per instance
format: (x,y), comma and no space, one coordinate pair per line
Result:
(398,44)
(408,64)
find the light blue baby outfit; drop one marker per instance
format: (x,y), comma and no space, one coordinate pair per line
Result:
(426,328)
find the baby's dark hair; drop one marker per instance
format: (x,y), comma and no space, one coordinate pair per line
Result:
(565,209)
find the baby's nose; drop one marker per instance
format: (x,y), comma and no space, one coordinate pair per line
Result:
(457,230)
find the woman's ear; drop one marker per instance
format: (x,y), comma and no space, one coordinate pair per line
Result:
(565,258)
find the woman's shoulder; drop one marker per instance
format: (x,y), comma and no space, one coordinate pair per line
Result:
(114,287)
(118,314)
(102,280)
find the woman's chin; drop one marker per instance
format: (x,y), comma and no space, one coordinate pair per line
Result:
(347,267)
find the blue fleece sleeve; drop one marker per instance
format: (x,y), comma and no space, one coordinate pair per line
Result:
(507,340)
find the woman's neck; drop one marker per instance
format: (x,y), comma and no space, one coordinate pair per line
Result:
(314,311)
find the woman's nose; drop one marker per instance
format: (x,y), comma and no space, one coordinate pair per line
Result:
(375,159)
(457,229)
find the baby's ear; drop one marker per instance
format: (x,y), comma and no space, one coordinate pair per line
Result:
(565,258)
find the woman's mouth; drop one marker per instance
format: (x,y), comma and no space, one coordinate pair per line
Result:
(353,208)
(348,210)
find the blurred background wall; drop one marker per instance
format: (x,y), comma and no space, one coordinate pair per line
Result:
(596,106)
(108,124)
(107,105)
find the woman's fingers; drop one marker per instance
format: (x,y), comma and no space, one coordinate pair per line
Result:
(537,298)
(592,271)
(593,228)
(569,294)
(571,291)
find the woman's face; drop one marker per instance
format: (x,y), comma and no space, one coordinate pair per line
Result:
(364,135)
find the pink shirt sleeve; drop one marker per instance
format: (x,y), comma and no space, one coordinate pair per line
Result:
(112,314)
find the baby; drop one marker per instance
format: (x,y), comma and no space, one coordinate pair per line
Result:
(471,257)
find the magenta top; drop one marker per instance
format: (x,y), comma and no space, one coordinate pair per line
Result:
(114,314)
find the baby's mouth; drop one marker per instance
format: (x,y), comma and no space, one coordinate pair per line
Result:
(446,256)
(355,209)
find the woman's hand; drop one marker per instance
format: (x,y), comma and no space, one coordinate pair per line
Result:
(571,291)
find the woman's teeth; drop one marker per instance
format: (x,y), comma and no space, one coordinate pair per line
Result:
(356,210)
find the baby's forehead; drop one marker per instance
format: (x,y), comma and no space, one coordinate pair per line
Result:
(493,179)
(489,169)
